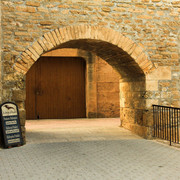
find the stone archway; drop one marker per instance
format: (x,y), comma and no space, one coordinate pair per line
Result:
(122,46)
(120,52)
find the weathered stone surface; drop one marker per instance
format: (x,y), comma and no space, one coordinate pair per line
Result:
(135,30)
(107,90)
(33,3)
(152,85)
(18,95)
(22,115)
(161,73)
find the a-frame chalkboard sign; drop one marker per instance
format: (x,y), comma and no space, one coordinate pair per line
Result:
(10,125)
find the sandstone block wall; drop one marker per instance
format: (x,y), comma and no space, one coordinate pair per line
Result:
(139,38)
(153,24)
(107,83)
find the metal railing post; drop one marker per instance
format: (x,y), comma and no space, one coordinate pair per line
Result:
(170,124)
(166,123)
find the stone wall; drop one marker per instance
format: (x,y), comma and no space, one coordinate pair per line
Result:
(0,62)
(1,41)
(153,24)
(139,38)
(107,82)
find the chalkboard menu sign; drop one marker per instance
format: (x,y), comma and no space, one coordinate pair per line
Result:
(10,124)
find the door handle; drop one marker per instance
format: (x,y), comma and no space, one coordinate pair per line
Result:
(37,92)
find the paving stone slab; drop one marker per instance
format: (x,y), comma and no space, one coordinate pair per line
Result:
(119,158)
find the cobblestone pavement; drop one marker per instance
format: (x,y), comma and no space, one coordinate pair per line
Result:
(87,150)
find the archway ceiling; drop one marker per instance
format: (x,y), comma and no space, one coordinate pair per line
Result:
(115,56)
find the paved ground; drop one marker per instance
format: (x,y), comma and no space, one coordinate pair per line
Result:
(87,150)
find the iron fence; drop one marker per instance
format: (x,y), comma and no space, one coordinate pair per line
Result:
(166,123)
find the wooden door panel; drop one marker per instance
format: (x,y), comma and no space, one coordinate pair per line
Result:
(30,102)
(60,83)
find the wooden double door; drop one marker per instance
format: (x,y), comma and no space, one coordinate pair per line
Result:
(55,88)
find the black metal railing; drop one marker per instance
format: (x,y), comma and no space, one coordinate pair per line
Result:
(166,123)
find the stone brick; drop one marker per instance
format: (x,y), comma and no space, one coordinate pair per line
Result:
(161,73)
(108,87)
(62,34)
(25,55)
(41,9)
(22,116)
(30,39)
(137,52)
(49,40)
(32,50)
(26,9)
(47,43)
(117,39)
(21,33)
(152,85)
(67,33)
(19,48)
(46,23)
(106,9)
(26,61)
(150,102)
(111,36)
(37,48)
(18,95)
(118,9)
(58,35)
(21,68)
(123,38)
(144,17)
(33,3)
(55,37)
(31,55)
(42,44)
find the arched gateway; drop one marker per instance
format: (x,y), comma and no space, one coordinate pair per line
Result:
(105,42)
(119,51)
